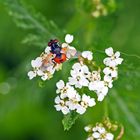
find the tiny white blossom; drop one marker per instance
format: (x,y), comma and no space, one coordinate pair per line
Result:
(80,109)
(100,89)
(87,54)
(61,106)
(86,101)
(100,133)
(112,71)
(94,76)
(79,75)
(73,101)
(114,58)
(108,81)
(69,38)
(65,90)
(71,51)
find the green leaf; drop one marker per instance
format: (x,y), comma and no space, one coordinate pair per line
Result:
(39,28)
(69,120)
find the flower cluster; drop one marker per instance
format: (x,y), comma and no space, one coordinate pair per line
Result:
(98,132)
(81,76)
(99,9)
(52,58)
(69,99)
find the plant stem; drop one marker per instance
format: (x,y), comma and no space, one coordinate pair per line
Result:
(106,113)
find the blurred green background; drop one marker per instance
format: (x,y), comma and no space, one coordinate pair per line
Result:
(27,111)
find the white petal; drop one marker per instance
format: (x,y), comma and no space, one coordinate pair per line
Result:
(72,81)
(57,100)
(71,105)
(65,110)
(100,97)
(44,77)
(107,61)
(71,52)
(64,45)
(109,51)
(117,54)
(119,60)
(60,84)
(96,135)
(69,38)
(85,98)
(37,62)
(83,81)
(87,54)
(109,136)
(76,66)
(31,74)
(91,102)
(40,72)
(106,71)
(80,109)
(114,73)
(58,107)
(107,78)
(91,86)
(63,95)
(47,50)
(104,90)
(85,69)
(101,130)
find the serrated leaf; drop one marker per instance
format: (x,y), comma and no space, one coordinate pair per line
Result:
(37,25)
(69,120)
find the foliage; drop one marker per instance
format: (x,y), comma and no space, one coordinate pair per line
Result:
(92,34)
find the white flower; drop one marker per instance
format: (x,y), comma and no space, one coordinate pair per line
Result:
(37,62)
(61,106)
(80,109)
(108,81)
(79,75)
(73,101)
(100,89)
(112,71)
(94,76)
(100,133)
(71,51)
(31,74)
(69,38)
(85,102)
(65,90)
(96,135)
(114,58)
(87,54)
